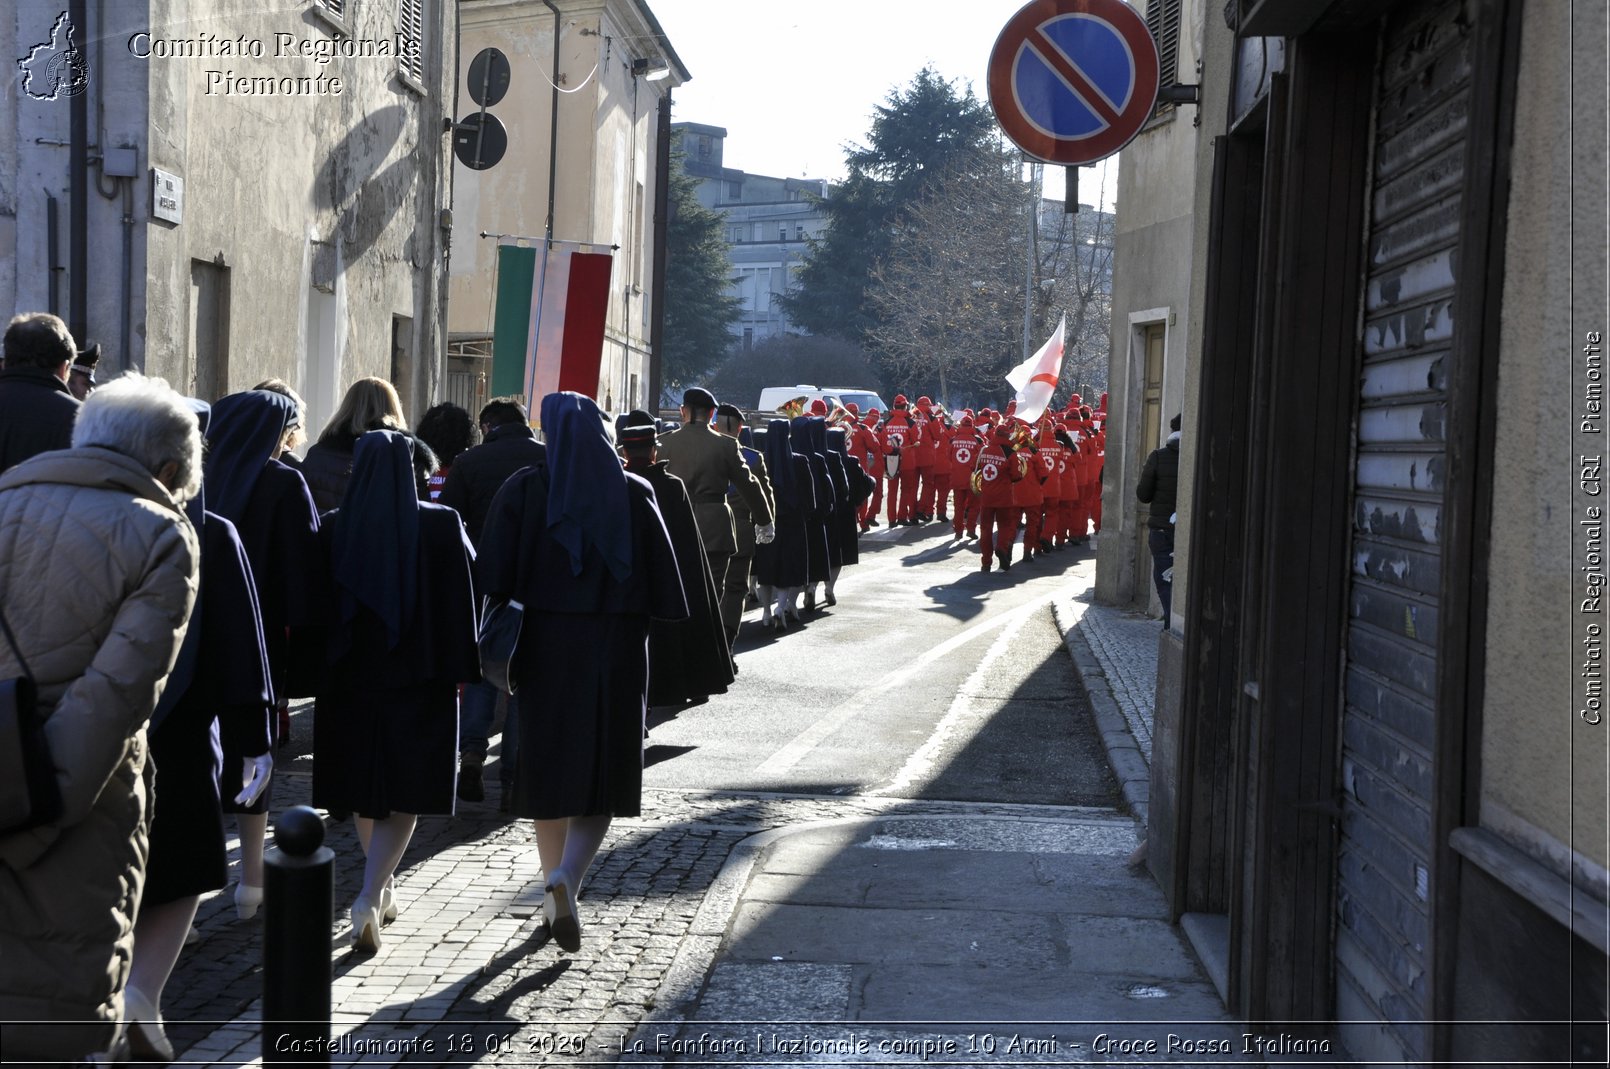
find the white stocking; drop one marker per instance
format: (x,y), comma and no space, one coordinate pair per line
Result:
(388,840)
(158,938)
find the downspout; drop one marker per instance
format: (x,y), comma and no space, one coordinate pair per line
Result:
(125,358)
(662,202)
(78,196)
(53,242)
(553,124)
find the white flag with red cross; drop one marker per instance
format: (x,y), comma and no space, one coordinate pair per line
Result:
(1035,380)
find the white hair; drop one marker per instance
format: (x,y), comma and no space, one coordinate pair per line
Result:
(147,421)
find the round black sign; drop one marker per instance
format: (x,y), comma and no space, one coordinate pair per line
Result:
(480,141)
(489,77)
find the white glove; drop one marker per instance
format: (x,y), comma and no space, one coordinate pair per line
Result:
(254,773)
(765,535)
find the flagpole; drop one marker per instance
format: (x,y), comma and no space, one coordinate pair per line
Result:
(1035,171)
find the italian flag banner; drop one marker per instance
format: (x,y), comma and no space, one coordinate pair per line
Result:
(548,331)
(1035,380)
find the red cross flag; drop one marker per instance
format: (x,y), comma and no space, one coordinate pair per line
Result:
(1035,379)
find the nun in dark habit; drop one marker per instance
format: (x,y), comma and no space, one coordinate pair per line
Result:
(819,560)
(781,565)
(857,488)
(273,513)
(688,660)
(840,481)
(218,686)
(583,548)
(402,639)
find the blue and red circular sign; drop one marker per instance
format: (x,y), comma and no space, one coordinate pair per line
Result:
(1073,81)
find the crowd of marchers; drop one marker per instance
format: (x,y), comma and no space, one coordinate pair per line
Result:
(991,475)
(172,575)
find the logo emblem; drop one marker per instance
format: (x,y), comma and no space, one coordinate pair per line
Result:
(56,68)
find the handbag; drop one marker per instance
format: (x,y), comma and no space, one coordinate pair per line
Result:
(29,795)
(498,639)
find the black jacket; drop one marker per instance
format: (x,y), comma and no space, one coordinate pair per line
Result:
(328,467)
(477,475)
(1159,482)
(36,414)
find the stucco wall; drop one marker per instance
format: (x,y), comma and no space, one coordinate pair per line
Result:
(1542,765)
(607,146)
(312,200)
(1152,254)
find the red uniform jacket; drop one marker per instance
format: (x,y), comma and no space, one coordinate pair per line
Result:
(962,455)
(899,435)
(864,445)
(999,474)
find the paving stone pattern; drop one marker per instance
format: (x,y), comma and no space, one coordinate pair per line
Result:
(1125,645)
(466,974)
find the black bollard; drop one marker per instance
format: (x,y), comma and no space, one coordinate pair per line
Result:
(298,904)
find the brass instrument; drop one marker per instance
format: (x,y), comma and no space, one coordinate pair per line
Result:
(793,408)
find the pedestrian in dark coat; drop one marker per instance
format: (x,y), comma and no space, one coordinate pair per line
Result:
(36,408)
(1158,488)
(582,546)
(273,513)
(370,404)
(507,446)
(219,686)
(688,660)
(819,562)
(401,641)
(782,565)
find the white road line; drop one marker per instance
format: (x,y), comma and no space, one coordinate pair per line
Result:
(923,760)
(871,698)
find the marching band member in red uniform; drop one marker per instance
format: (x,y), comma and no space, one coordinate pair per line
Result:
(1068,474)
(926,458)
(1028,494)
(999,470)
(864,446)
(1046,459)
(899,437)
(961,452)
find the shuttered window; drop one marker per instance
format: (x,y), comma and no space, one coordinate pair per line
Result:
(411,32)
(334,7)
(1163,19)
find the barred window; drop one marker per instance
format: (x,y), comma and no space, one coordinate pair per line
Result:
(411,34)
(337,8)
(1163,20)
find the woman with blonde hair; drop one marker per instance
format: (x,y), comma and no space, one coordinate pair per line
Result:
(370,404)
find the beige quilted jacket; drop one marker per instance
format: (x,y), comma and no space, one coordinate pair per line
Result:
(97,576)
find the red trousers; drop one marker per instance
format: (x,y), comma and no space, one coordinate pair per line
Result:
(964,515)
(903,495)
(1032,519)
(926,490)
(869,507)
(997,530)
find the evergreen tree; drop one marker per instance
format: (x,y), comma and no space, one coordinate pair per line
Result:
(927,130)
(699,303)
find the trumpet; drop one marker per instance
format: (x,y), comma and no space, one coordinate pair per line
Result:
(839,415)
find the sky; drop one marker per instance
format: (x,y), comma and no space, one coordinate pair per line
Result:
(794,81)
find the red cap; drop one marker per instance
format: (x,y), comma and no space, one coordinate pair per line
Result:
(871,412)
(818,407)
(1011,406)
(923,402)
(852,408)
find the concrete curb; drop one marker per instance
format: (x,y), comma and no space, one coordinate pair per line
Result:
(1128,763)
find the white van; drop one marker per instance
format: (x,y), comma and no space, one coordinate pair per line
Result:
(774,397)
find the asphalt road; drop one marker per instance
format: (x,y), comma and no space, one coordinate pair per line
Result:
(928,679)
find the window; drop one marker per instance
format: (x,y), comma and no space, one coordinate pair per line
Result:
(760,231)
(1163,20)
(411,38)
(704,146)
(782,231)
(799,231)
(735,190)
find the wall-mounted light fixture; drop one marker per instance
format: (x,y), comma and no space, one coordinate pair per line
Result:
(652,70)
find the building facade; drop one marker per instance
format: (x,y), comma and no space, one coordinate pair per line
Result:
(1378,792)
(1154,237)
(611,96)
(225,192)
(770,222)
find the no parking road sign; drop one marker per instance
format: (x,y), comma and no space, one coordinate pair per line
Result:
(1073,81)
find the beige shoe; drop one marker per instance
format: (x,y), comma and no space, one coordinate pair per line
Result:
(148,1040)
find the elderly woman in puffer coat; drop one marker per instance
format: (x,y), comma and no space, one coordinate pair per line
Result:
(97,577)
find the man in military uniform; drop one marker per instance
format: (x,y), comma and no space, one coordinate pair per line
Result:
(730,422)
(708,462)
